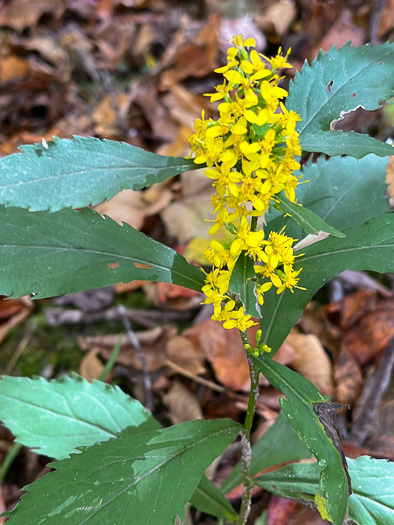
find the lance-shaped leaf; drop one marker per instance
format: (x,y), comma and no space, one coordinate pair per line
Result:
(343,191)
(57,416)
(372,501)
(309,221)
(54,417)
(209,499)
(370,247)
(79,172)
(134,478)
(336,83)
(279,444)
(304,408)
(68,251)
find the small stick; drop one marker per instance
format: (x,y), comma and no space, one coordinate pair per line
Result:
(146,318)
(144,365)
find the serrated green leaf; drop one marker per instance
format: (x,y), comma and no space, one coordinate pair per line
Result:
(134,478)
(338,82)
(370,247)
(372,501)
(68,251)
(278,445)
(79,172)
(301,396)
(209,499)
(345,192)
(57,416)
(309,221)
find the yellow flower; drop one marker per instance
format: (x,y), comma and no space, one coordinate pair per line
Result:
(250,152)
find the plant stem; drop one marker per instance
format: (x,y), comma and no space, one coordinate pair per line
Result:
(246,449)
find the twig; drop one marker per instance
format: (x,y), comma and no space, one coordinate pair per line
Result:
(371,396)
(377,8)
(144,365)
(146,318)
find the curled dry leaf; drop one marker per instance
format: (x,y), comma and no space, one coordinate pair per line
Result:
(311,360)
(224,350)
(182,404)
(12,313)
(91,366)
(276,20)
(348,378)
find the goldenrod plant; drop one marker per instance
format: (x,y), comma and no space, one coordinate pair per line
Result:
(289,226)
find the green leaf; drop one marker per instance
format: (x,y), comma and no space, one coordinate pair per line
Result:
(56,417)
(209,499)
(69,251)
(278,445)
(299,407)
(80,172)
(337,142)
(134,478)
(336,83)
(370,247)
(243,284)
(372,501)
(309,221)
(345,192)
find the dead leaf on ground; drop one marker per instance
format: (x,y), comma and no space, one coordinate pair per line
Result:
(276,20)
(13,69)
(311,360)
(12,313)
(386,22)
(194,207)
(371,335)
(181,351)
(182,404)
(348,378)
(343,29)
(193,55)
(20,14)
(280,510)
(127,206)
(153,343)
(109,115)
(91,366)
(224,350)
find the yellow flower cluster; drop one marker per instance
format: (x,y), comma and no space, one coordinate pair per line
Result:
(250,153)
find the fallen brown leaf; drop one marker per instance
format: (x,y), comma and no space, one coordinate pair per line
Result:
(185,354)
(365,340)
(348,378)
(311,360)
(12,313)
(91,366)
(182,404)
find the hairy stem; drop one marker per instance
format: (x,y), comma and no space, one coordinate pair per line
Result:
(246,449)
